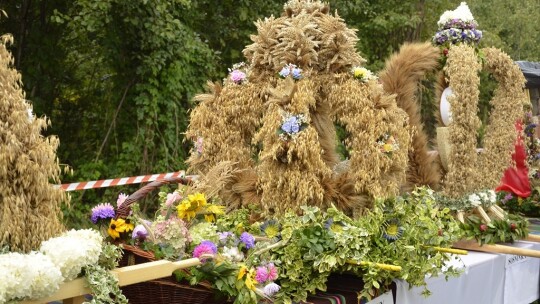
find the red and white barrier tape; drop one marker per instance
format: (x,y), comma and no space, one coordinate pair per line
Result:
(119,181)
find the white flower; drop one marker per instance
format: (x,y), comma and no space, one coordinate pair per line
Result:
(73,250)
(233,254)
(271,289)
(462,13)
(474,199)
(27,276)
(492,196)
(483,196)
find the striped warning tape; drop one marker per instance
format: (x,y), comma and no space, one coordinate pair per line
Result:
(118,181)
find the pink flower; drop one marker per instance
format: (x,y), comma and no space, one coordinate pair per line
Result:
(261,275)
(272,272)
(121,199)
(205,247)
(238,76)
(171,198)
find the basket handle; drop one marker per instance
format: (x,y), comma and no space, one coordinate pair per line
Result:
(125,208)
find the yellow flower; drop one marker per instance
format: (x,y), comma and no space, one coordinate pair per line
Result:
(215,209)
(185,211)
(388,148)
(190,206)
(118,226)
(250,280)
(197,199)
(241,272)
(359,72)
(209,218)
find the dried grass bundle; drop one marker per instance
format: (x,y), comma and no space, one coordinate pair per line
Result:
(507,102)
(401,75)
(29,204)
(292,171)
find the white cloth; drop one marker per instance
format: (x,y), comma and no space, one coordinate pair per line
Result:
(486,279)
(521,284)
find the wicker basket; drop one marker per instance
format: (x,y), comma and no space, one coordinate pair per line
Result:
(165,290)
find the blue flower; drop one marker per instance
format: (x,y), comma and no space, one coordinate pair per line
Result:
(392,230)
(296,73)
(285,72)
(291,125)
(247,239)
(270,228)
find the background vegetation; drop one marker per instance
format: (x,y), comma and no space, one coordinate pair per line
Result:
(116,77)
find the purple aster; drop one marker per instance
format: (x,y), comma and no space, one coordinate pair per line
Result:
(247,239)
(261,275)
(223,236)
(271,289)
(205,247)
(102,212)
(139,233)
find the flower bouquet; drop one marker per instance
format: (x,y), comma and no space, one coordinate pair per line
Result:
(186,226)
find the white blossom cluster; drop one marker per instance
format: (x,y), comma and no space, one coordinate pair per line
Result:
(27,276)
(485,197)
(462,13)
(73,250)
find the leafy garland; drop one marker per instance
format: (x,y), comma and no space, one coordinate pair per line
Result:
(509,229)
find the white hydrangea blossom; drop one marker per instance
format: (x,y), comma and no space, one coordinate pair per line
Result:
(232,254)
(474,199)
(73,250)
(492,196)
(30,276)
(462,13)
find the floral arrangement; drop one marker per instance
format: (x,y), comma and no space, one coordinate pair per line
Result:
(457,26)
(187,224)
(528,206)
(238,74)
(363,74)
(39,274)
(387,144)
(291,70)
(509,229)
(291,125)
(237,266)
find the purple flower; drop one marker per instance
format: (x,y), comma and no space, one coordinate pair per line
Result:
(291,125)
(261,275)
(102,212)
(238,76)
(271,289)
(139,233)
(223,236)
(506,198)
(205,247)
(247,239)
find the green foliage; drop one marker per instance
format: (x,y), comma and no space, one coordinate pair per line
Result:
(425,226)
(528,206)
(102,283)
(507,230)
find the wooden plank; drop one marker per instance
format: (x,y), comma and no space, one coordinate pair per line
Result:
(151,271)
(75,290)
(473,246)
(72,289)
(532,238)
